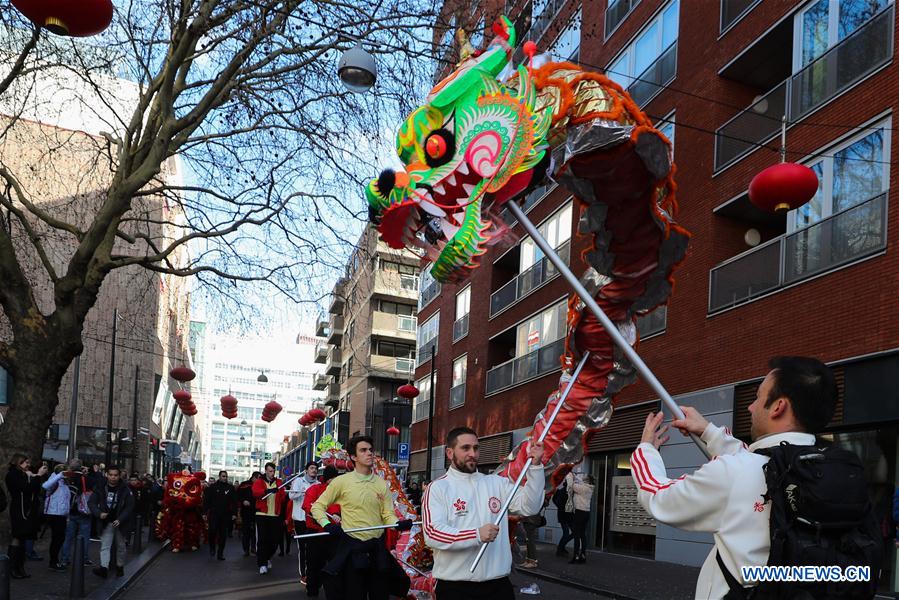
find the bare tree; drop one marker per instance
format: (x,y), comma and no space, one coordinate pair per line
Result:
(233,155)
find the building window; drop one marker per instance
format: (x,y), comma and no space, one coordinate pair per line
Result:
(650,61)
(4,386)
(460,372)
(567,46)
(389,265)
(394,349)
(544,328)
(351,331)
(420,405)
(616,12)
(463,306)
(556,230)
(666,128)
(825,23)
(427,338)
(396,308)
(652,323)
(430,288)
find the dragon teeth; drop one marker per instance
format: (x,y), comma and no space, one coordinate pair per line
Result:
(431,209)
(468,188)
(451,179)
(449,230)
(463,168)
(438,189)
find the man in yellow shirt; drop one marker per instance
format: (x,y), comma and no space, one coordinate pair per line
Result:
(361,564)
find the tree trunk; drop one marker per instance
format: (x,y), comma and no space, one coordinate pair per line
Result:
(37,375)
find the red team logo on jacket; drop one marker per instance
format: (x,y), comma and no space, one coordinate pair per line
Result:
(459,505)
(494,504)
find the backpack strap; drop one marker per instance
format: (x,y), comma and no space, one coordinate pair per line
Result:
(737,591)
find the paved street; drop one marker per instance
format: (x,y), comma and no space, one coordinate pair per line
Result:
(196,575)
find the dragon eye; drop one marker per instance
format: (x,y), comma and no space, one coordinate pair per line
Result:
(439,147)
(176,484)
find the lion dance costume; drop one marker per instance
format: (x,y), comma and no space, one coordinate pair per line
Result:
(482,139)
(181,518)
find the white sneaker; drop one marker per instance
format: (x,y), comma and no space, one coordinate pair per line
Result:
(263,570)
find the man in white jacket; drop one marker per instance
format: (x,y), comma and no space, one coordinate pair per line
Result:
(458,512)
(725,495)
(297,493)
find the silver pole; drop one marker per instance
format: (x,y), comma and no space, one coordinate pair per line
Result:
(607,323)
(527,464)
(269,493)
(372,528)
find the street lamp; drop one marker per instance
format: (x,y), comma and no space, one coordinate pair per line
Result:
(357,69)
(262,378)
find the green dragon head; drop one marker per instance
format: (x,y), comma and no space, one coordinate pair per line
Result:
(473,137)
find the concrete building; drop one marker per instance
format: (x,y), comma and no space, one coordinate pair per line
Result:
(53,142)
(236,365)
(821,280)
(367,345)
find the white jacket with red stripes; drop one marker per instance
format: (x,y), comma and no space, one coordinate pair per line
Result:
(457,504)
(723,497)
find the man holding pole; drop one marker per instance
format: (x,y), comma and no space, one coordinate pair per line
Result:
(361,564)
(269,499)
(458,515)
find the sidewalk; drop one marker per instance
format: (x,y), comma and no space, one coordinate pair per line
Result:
(45,584)
(617,576)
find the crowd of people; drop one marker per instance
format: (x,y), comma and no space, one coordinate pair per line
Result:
(73,501)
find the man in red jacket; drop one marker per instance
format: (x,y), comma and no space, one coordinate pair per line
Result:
(320,549)
(269,500)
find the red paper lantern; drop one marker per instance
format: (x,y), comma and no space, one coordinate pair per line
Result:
(228,402)
(783,187)
(392,431)
(78,18)
(272,407)
(317,414)
(182,396)
(182,374)
(408,391)
(229,415)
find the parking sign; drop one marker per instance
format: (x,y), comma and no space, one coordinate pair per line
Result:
(402,454)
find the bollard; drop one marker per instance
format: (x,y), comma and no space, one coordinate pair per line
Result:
(136,536)
(5,594)
(76,583)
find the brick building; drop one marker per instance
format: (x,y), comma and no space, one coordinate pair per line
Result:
(820,281)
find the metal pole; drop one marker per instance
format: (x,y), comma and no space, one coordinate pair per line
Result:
(73,409)
(134,419)
(429,456)
(527,464)
(76,582)
(357,529)
(109,400)
(607,323)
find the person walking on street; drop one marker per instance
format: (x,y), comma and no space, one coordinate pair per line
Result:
(268,516)
(23,487)
(248,514)
(95,479)
(458,512)
(297,494)
(79,522)
(113,506)
(361,565)
(56,513)
(581,492)
(319,549)
(561,500)
(220,504)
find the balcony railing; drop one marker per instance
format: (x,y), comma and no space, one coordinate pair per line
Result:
(845,237)
(460,328)
(406,323)
(425,353)
(428,294)
(457,395)
(393,325)
(733,10)
(392,363)
(320,381)
(526,282)
(524,368)
(617,12)
(657,75)
(321,352)
(321,328)
(335,335)
(334,360)
(864,51)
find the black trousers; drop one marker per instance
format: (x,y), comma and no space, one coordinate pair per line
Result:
(248,533)
(318,552)
(579,526)
(218,532)
(494,589)
(299,528)
(565,523)
(268,534)
(57,525)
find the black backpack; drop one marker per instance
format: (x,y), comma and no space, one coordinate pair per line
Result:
(820,516)
(560,496)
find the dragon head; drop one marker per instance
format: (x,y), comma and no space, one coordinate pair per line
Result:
(474,139)
(183,491)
